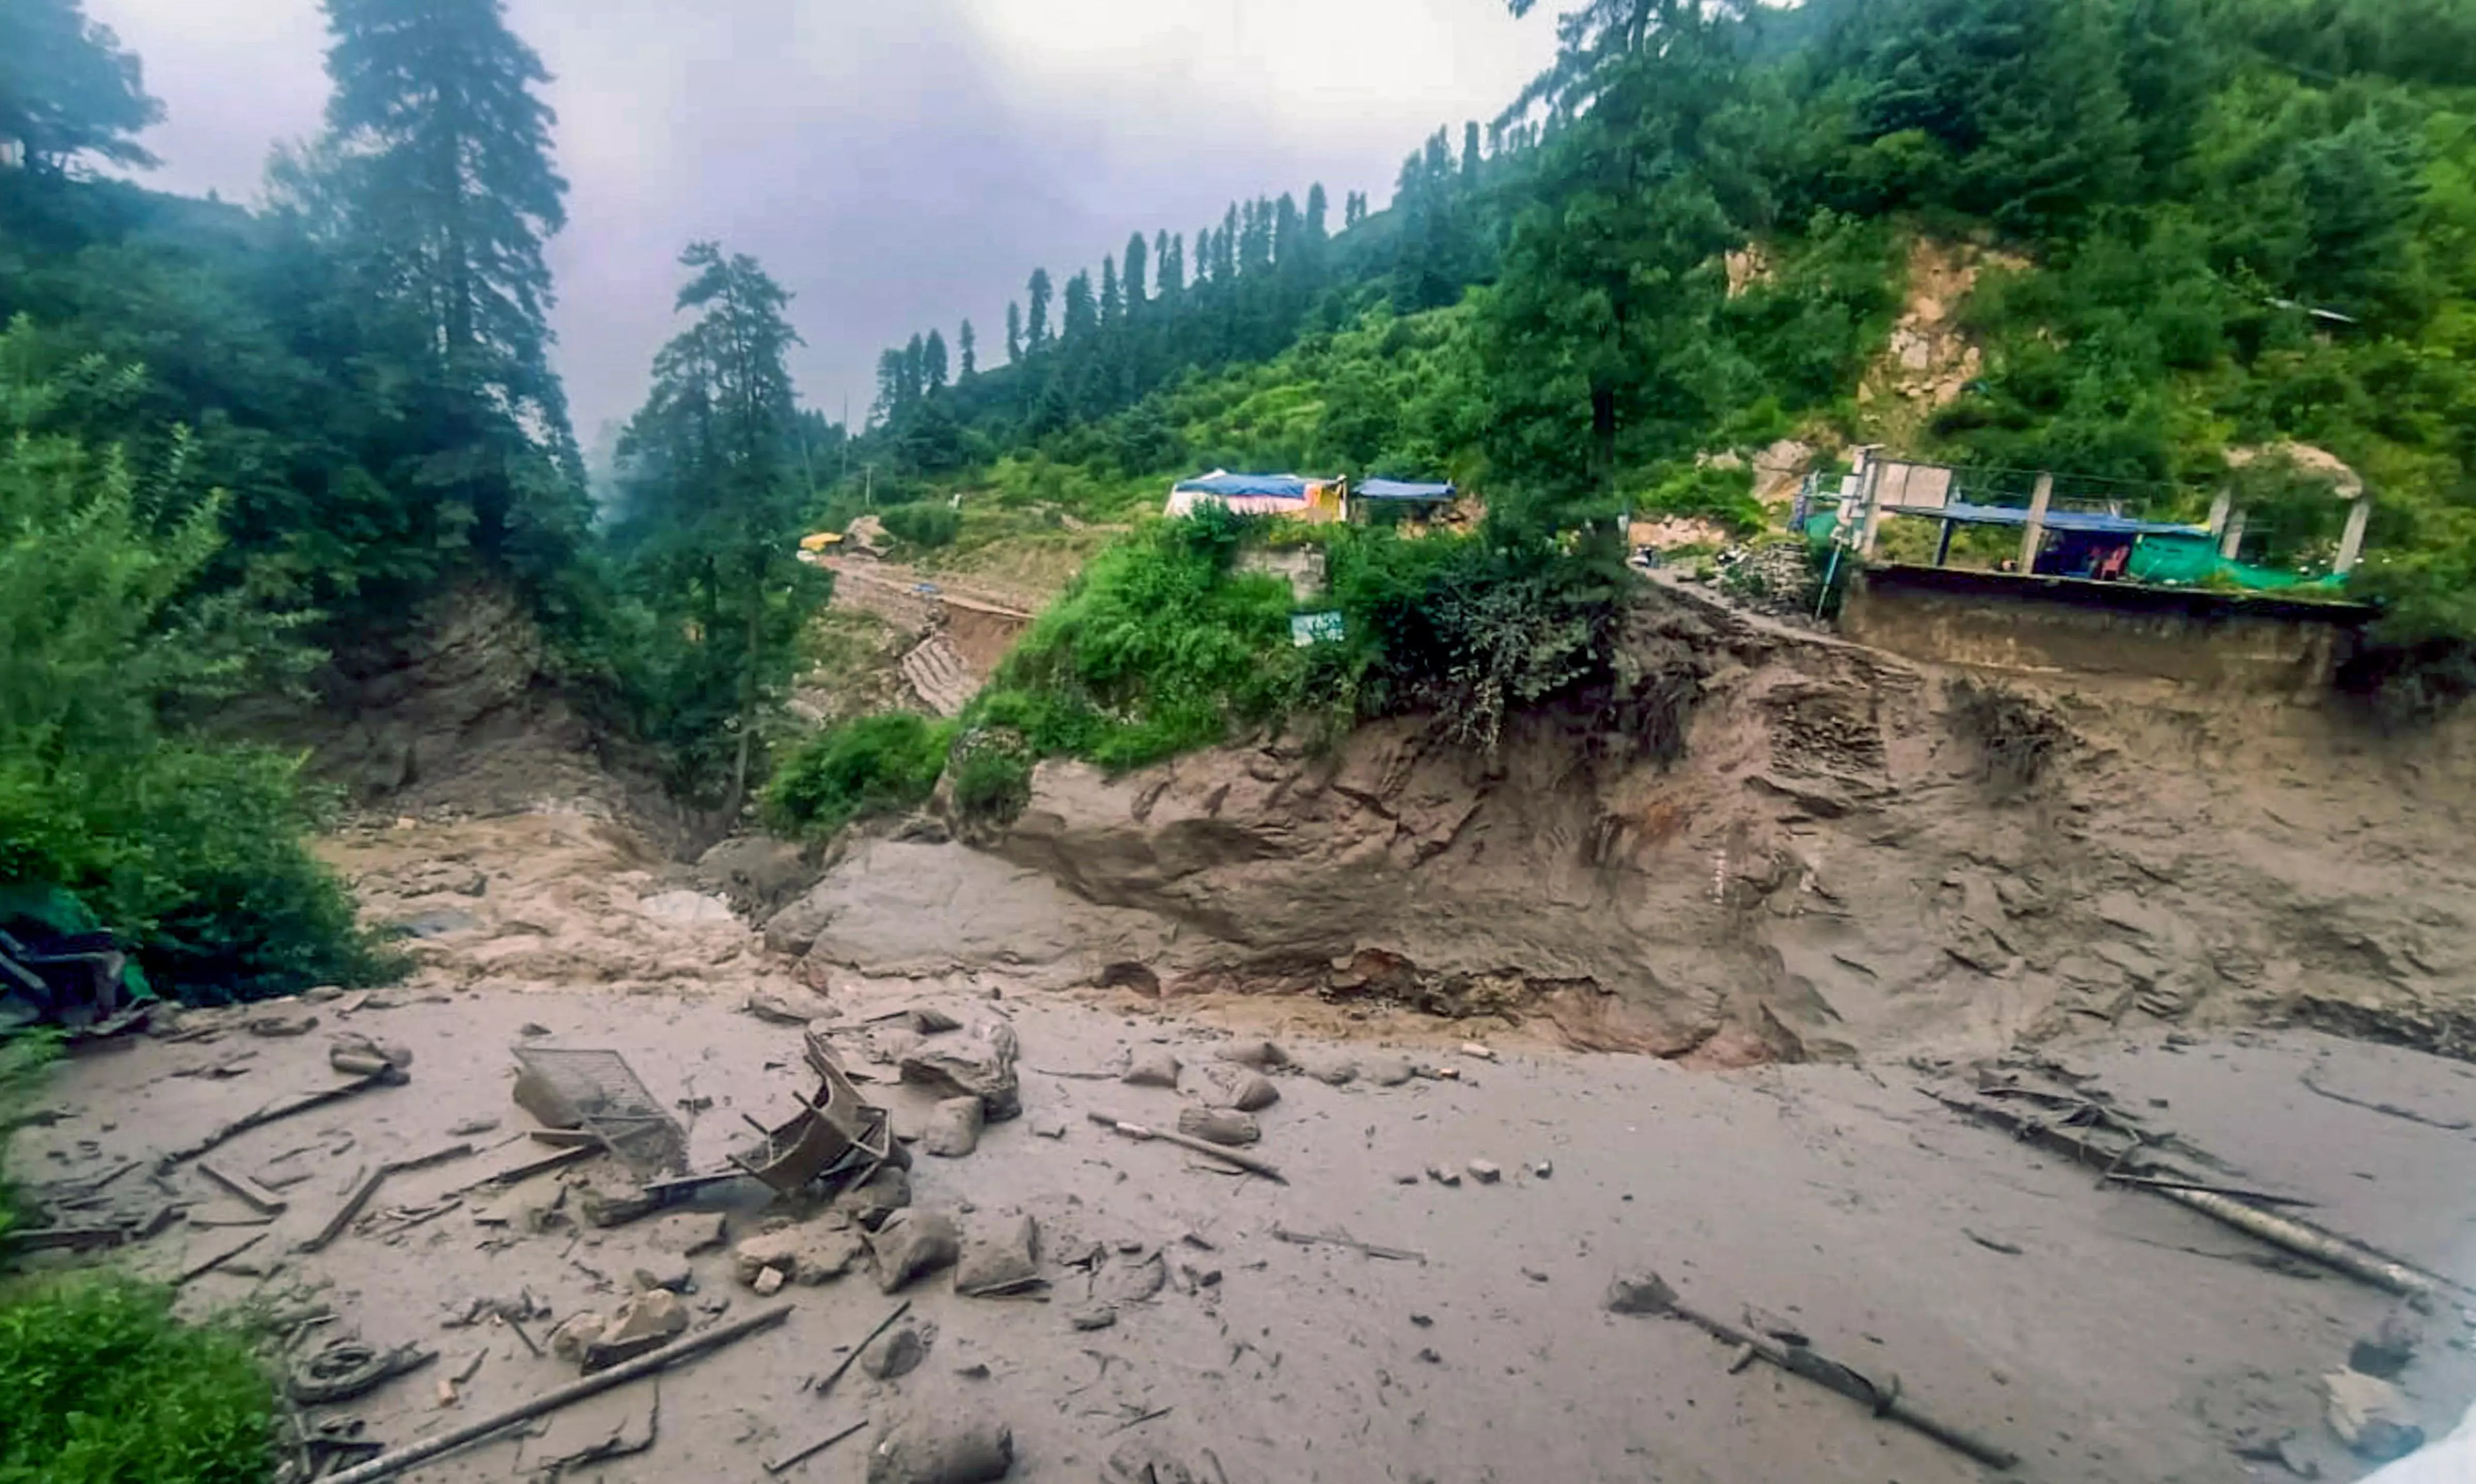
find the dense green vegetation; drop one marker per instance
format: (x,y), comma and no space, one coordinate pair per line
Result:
(881,764)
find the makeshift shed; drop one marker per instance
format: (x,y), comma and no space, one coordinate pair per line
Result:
(1259,494)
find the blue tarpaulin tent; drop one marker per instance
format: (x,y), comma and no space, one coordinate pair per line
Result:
(1278,486)
(1400,489)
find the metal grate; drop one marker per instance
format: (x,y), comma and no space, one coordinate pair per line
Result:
(607,1095)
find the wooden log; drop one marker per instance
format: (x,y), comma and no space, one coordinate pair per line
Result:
(276,1110)
(199,1270)
(389,1465)
(2342,1254)
(1250,1163)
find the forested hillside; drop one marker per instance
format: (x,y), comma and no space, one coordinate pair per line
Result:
(245,441)
(2207,225)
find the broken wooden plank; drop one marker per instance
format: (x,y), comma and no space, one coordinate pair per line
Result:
(199,1270)
(362,1190)
(1342,1239)
(258,1198)
(55,1239)
(687,1347)
(801,1455)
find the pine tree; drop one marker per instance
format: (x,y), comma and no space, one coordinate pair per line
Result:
(1081,314)
(446,149)
(932,364)
(915,371)
(67,89)
(1109,307)
(1037,337)
(1173,268)
(1470,159)
(1135,292)
(964,346)
(439,172)
(711,495)
(1014,333)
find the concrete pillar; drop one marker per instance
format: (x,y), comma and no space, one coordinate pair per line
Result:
(2034,535)
(2219,509)
(2351,543)
(2231,540)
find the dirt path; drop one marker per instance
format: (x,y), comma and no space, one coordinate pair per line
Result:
(2125,1339)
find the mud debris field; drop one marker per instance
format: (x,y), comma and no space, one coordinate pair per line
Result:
(1427,1298)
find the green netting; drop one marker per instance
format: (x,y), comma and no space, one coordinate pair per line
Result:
(2194,561)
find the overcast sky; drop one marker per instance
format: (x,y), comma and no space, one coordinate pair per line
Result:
(897,164)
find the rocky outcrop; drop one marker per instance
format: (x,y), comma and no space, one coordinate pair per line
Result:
(1841,862)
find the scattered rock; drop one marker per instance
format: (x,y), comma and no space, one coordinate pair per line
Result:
(1046,1126)
(1262,1055)
(1431,1357)
(943,1449)
(674,1276)
(1219,1126)
(1638,1292)
(782,1008)
(2388,1350)
(1543,1170)
(913,1244)
(984,1068)
(1002,1257)
(1485,1171)
(686,907)
(471,1127)
(568,1341)
(1406,1178)
(280,1024)
(954,1128)
(644,1324)
(899,1351)
(930,1021)
(878,1197)
(1092,1316)
(1251,1092)
(1151,1069)
(534,1093)
(1474,1050)
(1390,1072)
(816,1254)
(687,1233)
(355,1045)
(436,922)
(2370,1416)
(1443,1176)
(769,1282)
(1334,1073)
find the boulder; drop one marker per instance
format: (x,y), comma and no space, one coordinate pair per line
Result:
(873,1199)
(1151,1069)
(899,1351)
(945,1448)
(1262,1055)
(2370,1416)
(643,1324)
(1002,1257)
(954,1128)
(812,1254)
(913,1244)
(982,1068)
(1251,1092)
(1219,1126)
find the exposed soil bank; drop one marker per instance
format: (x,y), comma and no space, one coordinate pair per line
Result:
(1854,854)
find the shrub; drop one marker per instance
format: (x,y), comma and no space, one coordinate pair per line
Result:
(992,776)
(923,525)
(106,1387)
(881,764)
(1155,650)
(193,851)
